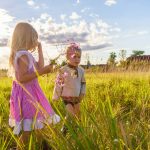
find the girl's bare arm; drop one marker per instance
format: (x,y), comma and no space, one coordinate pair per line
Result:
(41,58)
(24,75)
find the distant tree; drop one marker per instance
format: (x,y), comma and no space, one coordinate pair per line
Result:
(88,63)
(122,55)
(137,53)
(112,59)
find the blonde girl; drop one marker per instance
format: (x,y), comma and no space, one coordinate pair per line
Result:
(29,108)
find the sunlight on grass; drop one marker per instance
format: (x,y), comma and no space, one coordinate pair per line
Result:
(115,114)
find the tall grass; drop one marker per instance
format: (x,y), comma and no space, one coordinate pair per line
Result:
(115,114)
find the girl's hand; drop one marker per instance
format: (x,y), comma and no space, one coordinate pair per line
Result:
(45,70)
(39,46)
(49,68)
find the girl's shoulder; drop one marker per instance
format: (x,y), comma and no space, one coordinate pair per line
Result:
(81,69)
(63,68)
(21,53)
(67,69)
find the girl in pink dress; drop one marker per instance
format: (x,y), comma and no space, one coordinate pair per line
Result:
(29,108)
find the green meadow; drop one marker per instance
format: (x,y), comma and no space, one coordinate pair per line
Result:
(115,115)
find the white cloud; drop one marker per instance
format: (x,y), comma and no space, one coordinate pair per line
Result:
(3,42)
(85,9)
(4,57)
(62,16)
(78,1)
(91,36)
(94,15)
(95,35)
(45,16)
(4,62)
(110,2)
(74,16)
(5,26)
(143,32)
(116,29)
(33,4)
(5,17)
(136,33)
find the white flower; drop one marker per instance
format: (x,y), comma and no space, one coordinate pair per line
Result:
(116,140)
(127,123)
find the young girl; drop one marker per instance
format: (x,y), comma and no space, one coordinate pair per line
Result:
(29,108)
(70,83)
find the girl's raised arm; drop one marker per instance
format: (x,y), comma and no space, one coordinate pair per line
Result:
(41,58)
(23,73)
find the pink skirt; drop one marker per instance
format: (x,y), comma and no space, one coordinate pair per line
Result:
(29,108)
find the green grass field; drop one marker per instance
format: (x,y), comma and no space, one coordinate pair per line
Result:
(115,114)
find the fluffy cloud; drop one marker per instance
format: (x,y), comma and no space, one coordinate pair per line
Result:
(110,2)
(4,57)
(143,32)
(62,16)
(5,17)
(136,33)
(85,9)
(5,26)
(95,47)
(78,1)
(74,16)
(3,42)
(91,36)
(61,38)
(34,5)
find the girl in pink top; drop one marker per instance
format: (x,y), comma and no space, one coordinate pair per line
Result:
(70,83)
(29,108)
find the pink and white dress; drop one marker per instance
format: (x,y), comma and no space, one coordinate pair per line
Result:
(29,108)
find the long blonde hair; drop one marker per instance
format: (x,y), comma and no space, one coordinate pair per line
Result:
(24,37)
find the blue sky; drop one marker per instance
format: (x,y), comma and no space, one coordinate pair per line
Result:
(99,26)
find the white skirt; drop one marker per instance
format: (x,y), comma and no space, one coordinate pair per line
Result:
(32,124)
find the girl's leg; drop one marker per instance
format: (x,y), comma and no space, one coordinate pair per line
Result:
(77,110)
(38,135)
(77,115)
(70,113)
(24,139)
(70,110)
(41,141)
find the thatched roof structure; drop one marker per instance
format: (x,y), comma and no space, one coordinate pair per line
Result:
(139,58)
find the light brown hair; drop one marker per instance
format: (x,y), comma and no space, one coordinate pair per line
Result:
(24,37)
